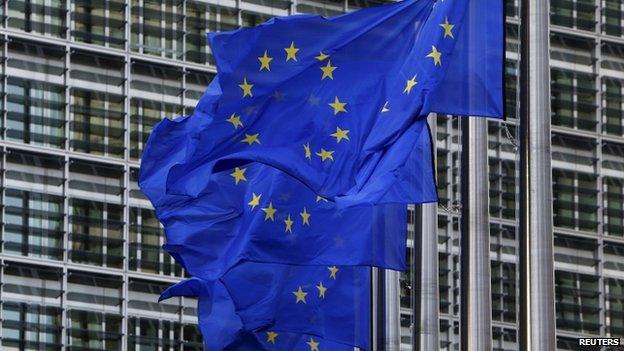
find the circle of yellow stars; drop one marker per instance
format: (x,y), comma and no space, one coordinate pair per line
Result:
(338,106)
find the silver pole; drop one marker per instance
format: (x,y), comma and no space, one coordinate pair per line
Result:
(537,302)
(389,328)
(393,314)
(426,294)
(476,296)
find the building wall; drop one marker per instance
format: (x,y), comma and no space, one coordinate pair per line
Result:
(83,82)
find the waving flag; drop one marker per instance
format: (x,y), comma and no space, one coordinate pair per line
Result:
(277,307)
(303,151)
(337,103)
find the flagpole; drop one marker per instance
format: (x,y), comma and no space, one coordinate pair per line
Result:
(476,296)
(387,326)
(537,303)
(426,294)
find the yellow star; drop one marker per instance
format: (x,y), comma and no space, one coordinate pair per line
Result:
(235,120)
(301,295)
(326,154)
(255,201)
(340,134)
(289,222)
(305,216)
(264,61)
(291,52)
(246,87)
(332,272)
(271,336)
(448,28)
(436,56)
(385,107)
(308,152)
(409,85)
(251,138)
(328,71)
(269,212)
(320,198)
(338,106)
(239,174)
(321,290)
(314,346)
(321,56)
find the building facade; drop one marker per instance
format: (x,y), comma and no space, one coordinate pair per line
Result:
(83,82)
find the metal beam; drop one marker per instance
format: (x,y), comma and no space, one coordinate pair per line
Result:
(537,302)
(476,296)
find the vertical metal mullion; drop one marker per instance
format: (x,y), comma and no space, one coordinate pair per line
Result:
(537,327)
(66,215)
(3,198)
(599,179)
(126,177)
(5,53)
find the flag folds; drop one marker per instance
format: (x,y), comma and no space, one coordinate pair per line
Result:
(338,103)
(291,176)
(260,306)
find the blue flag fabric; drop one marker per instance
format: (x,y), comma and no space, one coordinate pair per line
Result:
(277,307)
(477,71)
(337,103)
(258,213)
(302,151)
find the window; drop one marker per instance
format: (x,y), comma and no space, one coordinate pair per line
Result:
(153,334)
(503,291)
(614,290)
(575,198)
(573,13)
(157,28)
(613,16)
(573,99)
(577,302)
(200,19)
(146,240)
(35,112)
(39,16)
(101,23)
(36,325)
(97,125)
(33,224)
(613,111)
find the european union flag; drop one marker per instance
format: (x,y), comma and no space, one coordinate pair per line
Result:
(302,151)
(257,213)
(277,307)
(340,103)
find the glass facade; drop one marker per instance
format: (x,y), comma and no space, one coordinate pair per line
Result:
(83,82)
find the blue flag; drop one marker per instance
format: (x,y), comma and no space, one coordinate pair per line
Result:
(302,151)
(339,103)
(277,307)
(257,213)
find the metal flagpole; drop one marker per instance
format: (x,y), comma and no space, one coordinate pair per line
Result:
(388,327)
(426,295)
(476,296)
(537,302)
